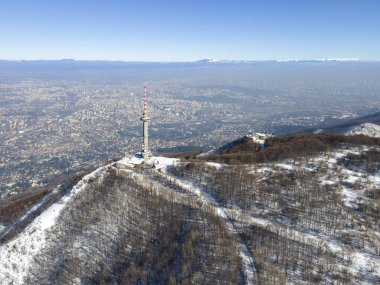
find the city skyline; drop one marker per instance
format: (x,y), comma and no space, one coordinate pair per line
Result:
(189,31)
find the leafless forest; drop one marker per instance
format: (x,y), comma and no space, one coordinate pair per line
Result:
(302,210)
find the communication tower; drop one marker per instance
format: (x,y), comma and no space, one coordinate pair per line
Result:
(145,119)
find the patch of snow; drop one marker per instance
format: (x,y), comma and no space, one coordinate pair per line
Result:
(262,170)
(351,179)
(214,164)
(327,182)
(206,153)
(308,169)
(160,162)
(286,166)
(375,180)
(349,197)
(337,156)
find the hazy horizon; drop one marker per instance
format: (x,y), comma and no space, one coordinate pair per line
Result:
(210,60)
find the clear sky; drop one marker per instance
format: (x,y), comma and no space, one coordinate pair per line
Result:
(186,30)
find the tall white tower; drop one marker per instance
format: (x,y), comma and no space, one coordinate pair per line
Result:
(145,118)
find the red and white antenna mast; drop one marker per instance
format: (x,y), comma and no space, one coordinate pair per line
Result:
(145,119)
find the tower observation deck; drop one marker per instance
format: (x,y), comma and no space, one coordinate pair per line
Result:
(145,119)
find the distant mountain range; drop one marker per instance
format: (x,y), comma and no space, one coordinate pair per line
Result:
(42,66)
(66,62)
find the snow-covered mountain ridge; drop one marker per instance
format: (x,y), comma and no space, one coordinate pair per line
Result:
(296,220)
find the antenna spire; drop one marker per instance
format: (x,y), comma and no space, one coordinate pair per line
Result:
(145,99)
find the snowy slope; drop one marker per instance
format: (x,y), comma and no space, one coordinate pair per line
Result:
(368,129)
(16,256)
(336,175)
(351,183)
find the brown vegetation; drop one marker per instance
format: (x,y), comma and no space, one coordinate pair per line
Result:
(14,209)
(278,148)
(297,200)
(122,232)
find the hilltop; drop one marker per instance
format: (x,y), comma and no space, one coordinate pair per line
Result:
(303,209)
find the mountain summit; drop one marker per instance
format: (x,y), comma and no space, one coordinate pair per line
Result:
(301,209)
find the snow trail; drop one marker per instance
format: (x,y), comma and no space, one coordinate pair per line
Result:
(17,255)
(30,212)
(359,262)
(206,198)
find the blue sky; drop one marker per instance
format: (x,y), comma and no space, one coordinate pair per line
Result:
(186,30)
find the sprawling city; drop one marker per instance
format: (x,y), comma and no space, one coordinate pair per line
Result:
(52,127)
